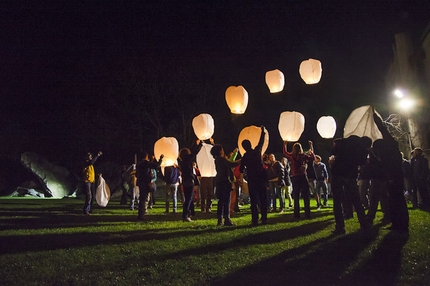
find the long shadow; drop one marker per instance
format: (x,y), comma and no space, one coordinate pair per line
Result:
(323,262)
(267,237)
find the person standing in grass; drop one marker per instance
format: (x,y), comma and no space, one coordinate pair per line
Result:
(347,155)
(144,177)
(89,180)
(321,175)
(186,161)
(223,179)
(287,189)
(253,171)
(171,177)
(299,179)
(275,174)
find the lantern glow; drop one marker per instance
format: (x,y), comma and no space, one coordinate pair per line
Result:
(237,99)
(275,80)
(291,125)
(203,125)
(310,71)
(169,147)
(252,133)
(205,161)
(326,126)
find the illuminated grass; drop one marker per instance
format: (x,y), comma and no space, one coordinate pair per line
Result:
(49,242)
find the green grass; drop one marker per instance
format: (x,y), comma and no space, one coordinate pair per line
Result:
(49,242)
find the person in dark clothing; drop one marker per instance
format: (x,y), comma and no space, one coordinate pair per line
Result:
(252,167)
(321,178)
(144,177)
(171,177)
(347,155)
(186,161)
(420,170)
(89,179)
(299,179)
(391,159)
(223,184)
(275,174)
(378,192)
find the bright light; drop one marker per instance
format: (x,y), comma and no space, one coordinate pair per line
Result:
(399,93)
(406,104)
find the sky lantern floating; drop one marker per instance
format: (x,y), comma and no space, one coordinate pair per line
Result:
(205,161)
(252,133)
(291,125)
(169,147)
(275,80)
(361,123)
(326,127)
(203,125)
(237,99)
(310,71)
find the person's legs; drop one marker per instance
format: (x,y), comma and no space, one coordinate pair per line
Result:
(337,191)
(88,198)
(188,199)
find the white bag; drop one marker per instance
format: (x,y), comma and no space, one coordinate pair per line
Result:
(102,193)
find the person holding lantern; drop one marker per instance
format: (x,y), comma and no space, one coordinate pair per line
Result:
(252,168)
(186,161)
(299,179)
(144,177)
(223,180)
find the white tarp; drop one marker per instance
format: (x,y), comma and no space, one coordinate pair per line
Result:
(102,193)
(360,123)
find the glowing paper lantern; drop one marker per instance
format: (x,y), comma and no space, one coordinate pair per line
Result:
(310,71)
(252,133)
(205,161)
(237,99)
(169,147)
(326,127)
(360,123)
(203,125)
(275,80)
(291,125)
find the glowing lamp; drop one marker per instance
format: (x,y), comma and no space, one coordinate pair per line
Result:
(206,161)
(252,133)
(310,71)
(275,80)
(291,125)
(237,99)
(169,147)
(203,125)
(326,127)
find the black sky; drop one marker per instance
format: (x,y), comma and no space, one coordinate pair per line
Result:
(53,53)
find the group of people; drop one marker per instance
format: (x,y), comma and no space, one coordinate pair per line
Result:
(353,163)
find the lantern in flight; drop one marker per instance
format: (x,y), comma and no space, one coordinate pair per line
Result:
(275,80)
(205,161)
(310,71)
(291,125)
(252,133)
(203,125)
(326,127)
(169,147)
(237,99)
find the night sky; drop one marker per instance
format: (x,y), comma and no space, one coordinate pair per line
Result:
(62,59)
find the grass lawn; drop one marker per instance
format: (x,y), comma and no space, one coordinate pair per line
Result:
(50,242)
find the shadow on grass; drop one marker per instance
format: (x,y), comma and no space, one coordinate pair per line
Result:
(328,261)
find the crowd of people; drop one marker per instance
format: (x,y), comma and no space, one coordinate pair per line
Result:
(362,174)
